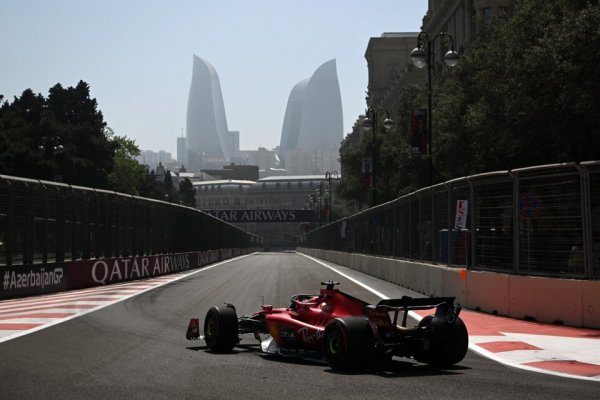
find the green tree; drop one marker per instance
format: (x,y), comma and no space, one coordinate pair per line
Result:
(23,124)
(524,94)
(397,171)
(128,175)
(187,193)
(351,187)
(60,137)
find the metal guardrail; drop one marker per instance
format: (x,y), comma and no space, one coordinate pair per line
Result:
(42,222)
(542,220)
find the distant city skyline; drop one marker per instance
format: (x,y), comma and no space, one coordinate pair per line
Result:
(138,67)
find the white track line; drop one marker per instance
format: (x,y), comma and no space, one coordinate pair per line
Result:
(472,346)
(125,297)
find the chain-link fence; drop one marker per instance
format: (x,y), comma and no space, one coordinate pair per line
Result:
(44,222)
(542,220)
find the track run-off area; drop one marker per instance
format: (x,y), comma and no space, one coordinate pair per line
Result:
(127,341)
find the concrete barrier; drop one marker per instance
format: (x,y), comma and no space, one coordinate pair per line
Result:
(590,304)
(454,284)
(569,301)
(546,299)
(488,292)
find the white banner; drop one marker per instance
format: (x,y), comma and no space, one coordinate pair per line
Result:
(462,210)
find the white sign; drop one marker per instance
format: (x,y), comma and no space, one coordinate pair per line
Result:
(462,209)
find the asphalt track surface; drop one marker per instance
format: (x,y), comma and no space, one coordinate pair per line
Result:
(136,349)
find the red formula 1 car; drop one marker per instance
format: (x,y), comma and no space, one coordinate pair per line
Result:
(347,332)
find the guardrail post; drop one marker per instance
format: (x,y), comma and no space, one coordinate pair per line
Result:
(8,237)
(586,214)
(471,218)
(516,249)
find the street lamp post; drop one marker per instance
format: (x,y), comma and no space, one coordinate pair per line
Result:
(423,55)
(52,147)
(370,123)
(329,175)
(319,195)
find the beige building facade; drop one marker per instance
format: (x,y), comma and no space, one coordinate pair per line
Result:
(305,195)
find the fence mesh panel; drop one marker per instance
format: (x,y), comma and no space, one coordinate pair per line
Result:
(493,224)
(595,220)
(44,222)
(536,213)
(550,224)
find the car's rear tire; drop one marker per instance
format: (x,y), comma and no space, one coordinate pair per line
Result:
(448,349)
(348,343)
(221,329)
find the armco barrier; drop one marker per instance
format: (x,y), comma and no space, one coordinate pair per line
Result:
(571,302)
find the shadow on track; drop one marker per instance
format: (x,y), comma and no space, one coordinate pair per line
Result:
(396,368)
(402,369)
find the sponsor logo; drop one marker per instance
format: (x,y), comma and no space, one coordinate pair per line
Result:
(120,269)
(308,337)
(33,279)
(263,215)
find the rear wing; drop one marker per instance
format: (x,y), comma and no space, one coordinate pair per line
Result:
(445,308)
(410,303)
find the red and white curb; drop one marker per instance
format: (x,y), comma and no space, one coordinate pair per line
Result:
(19,317)
(548,349)
(555,350)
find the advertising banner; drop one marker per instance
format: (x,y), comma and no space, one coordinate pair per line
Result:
(21,281)
(236,216)
(86,273)
(462,211)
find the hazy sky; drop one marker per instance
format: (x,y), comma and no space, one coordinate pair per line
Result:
(136,55)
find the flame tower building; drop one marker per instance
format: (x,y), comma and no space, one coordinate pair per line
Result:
(209,143)
(313,124)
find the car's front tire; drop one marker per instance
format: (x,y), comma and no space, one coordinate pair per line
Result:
(221,329)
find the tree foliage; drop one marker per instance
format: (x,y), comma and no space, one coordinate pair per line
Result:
(61,137)
(187,193)
(524,93)
(128,175)
(64,137)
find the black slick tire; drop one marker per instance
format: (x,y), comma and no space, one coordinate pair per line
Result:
(221,329)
